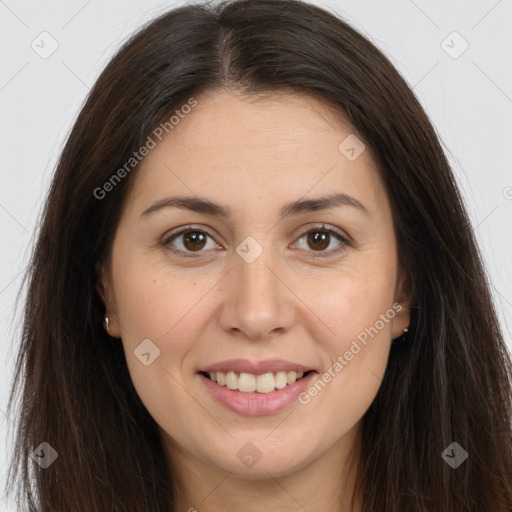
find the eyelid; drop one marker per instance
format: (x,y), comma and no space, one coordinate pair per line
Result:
(180,231)
(342,237)
(345,240)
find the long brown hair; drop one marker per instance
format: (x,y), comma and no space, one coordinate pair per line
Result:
(450,382)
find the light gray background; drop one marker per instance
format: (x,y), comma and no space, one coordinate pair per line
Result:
(468,98)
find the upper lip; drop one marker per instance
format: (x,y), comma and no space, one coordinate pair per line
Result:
(255,367)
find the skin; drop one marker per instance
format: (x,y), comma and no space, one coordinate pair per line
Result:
(255,155)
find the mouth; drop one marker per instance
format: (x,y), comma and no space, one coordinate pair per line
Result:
(253,388)
(265,383)
(256,394)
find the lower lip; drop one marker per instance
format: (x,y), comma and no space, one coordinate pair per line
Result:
(257,404)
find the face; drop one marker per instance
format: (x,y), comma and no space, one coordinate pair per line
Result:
(263,287)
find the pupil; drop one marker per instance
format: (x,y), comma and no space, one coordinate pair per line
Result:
(192,238)
(319,237)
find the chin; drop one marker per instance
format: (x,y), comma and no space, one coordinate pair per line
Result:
(261,458)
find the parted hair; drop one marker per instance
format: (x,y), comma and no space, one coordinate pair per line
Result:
(450,382)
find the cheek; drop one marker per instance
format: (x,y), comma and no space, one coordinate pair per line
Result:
(155,301)
(352,327)
(170,310)
(341,307)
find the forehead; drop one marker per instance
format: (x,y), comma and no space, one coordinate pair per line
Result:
(239,148)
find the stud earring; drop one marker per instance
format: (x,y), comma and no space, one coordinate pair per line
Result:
(107,323)
(402,338)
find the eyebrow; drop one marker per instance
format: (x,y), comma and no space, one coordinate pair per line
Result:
(207,207)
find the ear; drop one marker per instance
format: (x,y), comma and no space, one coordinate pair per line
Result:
(402,305)
(101,283)
(104,289)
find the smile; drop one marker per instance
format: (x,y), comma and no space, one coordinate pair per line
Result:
(250,383)
(251,401)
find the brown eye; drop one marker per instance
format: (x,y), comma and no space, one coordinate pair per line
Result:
(318,240)
(189,241)
(194,240)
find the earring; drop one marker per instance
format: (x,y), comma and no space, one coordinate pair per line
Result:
(401,339)
(107,323)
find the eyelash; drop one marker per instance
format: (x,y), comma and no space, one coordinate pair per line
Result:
(316,229)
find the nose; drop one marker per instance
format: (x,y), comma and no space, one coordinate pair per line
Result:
(257,302)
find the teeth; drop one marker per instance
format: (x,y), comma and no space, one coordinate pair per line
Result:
(280,380)
(265,383)
(221,378)
(248,382)
(291,377)
(231,380)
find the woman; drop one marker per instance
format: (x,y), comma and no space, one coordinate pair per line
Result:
(256,287)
